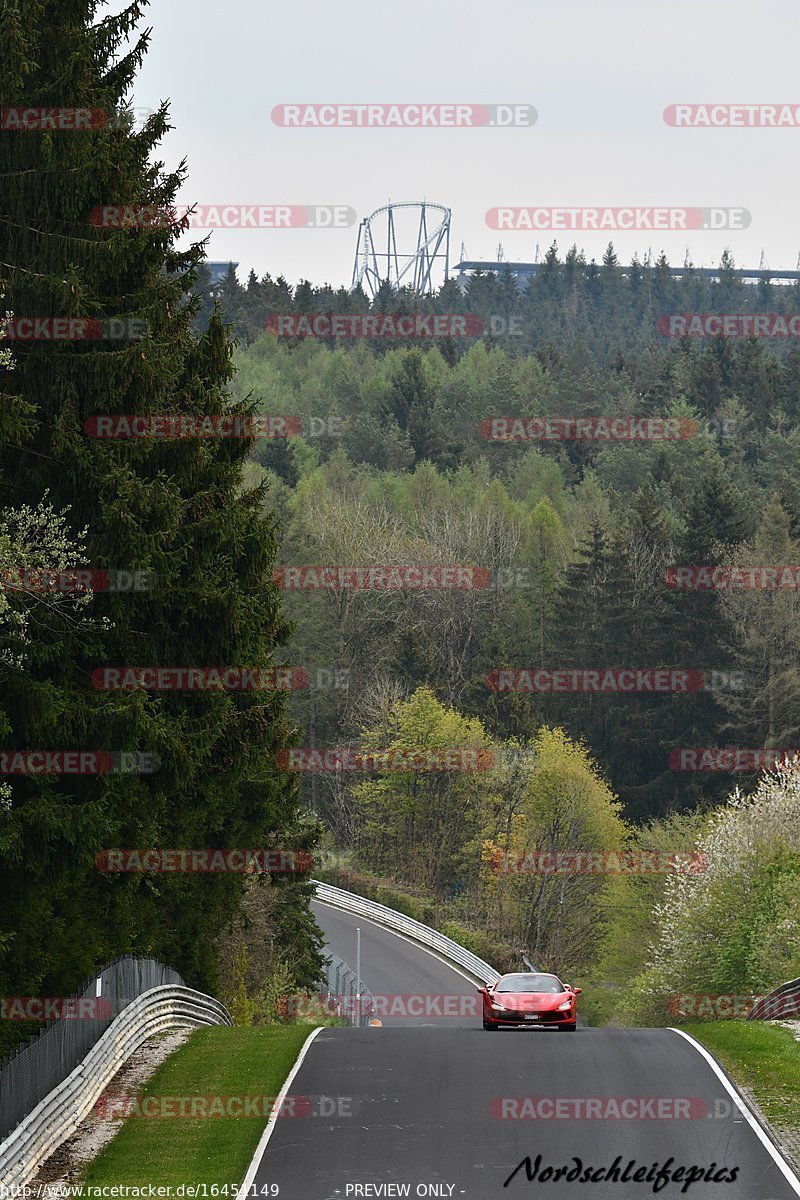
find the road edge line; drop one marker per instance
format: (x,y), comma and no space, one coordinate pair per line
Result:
(255,1163)
(758,1129)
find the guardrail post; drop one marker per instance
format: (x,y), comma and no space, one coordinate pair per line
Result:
(358,973)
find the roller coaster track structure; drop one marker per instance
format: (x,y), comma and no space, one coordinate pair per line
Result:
(401,267)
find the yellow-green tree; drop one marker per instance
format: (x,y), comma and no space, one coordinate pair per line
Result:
(549,799)
(415,824)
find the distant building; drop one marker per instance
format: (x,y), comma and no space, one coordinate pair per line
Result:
(522,272)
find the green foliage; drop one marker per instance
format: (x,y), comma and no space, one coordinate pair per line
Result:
(502,957)
(410,906)
(528,512)
(733,927)
(263,1006)
(578,537)
(393,467)
(442,834)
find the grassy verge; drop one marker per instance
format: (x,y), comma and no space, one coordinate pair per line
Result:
(759,1056)
(216,1061)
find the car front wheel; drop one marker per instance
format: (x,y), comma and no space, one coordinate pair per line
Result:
(489,1025)
(567,1028)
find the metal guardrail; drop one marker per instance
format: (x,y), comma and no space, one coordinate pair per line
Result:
(32,1070)
(783,1002)
(160,1010)
(341,994)
(444,946)
(172,1006)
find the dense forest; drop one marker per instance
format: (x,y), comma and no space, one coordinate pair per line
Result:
(579,540)
(607,312)
(578,536)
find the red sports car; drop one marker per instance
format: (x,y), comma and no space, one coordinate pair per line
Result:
(529,1000)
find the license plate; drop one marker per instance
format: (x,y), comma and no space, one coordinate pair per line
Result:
(531,1016)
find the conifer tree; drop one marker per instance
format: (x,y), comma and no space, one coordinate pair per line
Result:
(174,509)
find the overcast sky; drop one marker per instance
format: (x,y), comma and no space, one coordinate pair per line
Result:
(598,74)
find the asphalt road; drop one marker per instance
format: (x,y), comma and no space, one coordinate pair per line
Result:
(440,1109)
(401,976)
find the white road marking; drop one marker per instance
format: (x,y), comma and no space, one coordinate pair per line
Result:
(768,1144)
(252,1170)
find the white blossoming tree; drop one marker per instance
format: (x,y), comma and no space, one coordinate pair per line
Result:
(37,539)
(735,927)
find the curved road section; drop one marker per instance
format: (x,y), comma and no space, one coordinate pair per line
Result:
(411,986)
(431,1105)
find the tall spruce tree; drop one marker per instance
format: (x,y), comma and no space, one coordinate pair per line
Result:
(714,523)
(764,633)
(583,639)
(173,508)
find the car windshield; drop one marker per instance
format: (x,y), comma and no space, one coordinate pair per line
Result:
(529,983)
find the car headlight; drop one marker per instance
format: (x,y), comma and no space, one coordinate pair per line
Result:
(496,1004)
(566,1004)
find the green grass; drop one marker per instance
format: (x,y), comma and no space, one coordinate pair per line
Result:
(759,1056)
(215,1061)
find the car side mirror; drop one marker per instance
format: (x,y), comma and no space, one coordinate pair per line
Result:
(577,991)
(483,989)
